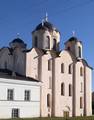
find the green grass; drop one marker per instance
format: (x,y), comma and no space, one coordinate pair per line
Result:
(56,118)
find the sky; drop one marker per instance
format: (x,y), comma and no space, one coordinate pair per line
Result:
(22,16)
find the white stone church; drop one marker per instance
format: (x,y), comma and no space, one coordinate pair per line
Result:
(44,81)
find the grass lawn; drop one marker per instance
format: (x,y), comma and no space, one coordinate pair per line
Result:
(74,118)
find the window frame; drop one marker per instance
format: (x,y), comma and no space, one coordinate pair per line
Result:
(70,69)
(62,68)
(48,100)
(49,65)
(54,44)
(36,41)
(47,42)
(79,51)
(81,102)
(15,113)
(50,82)
(10,94)
(62,89)
(70,90)
(27,95)
(81,71)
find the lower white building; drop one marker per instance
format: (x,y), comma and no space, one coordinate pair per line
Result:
(19,96)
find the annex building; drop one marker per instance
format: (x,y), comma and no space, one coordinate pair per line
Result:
(44,81)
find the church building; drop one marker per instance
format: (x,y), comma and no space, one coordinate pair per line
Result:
(65,76)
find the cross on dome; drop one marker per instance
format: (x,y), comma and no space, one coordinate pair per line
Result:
(73,33)
(46,17)
(18,35)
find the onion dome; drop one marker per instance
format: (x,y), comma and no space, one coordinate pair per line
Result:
(18,40)
(73,39)
(46,26)
(17,43)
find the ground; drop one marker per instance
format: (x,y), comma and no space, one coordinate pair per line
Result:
(75,118)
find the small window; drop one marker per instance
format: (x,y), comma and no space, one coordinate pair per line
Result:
(70,90)
(54,44)
(70,69)
(81,71)
(50,82)
(68,48)
(5,65)
(15,113)
(48,100)
(47,42)
(49,65)
(81,102)
(79,51)
(62,68)
(27,95)
(10,94)
(62,89)
(36,42)
(81,87)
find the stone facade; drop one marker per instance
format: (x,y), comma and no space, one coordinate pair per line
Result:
(65,75)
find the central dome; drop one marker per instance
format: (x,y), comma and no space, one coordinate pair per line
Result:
(46,26)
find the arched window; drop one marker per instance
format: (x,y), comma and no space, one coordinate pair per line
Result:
(81,87)
(49,65)
(48,100)
(5,65)
(68,48)
(50,82)
(36,42)
(70,90)
(54,44)
(62,68)
(81,71)
(47,44)
(62,89)
(81,102)
(79,51)
(70,69)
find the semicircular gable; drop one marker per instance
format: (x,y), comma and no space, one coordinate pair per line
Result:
(35,52)
(67,55)
(4,51)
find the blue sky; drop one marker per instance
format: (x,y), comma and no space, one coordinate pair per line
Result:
(22,16)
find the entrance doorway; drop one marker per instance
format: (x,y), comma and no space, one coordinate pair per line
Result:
(66,114)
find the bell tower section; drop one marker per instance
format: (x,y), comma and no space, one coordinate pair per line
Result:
(46,36)
(75,46)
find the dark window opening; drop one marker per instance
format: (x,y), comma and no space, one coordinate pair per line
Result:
(15,113)
(10,95)
(48,100)
(70,69)
(81,87)
(79,49)
(81,102)
(49,65)
(62,89)
(81,71)
(47,42)
(5,65)
(27,95)
(68,48)
(36,42)
(62,68)
(54,44)
(70,90)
